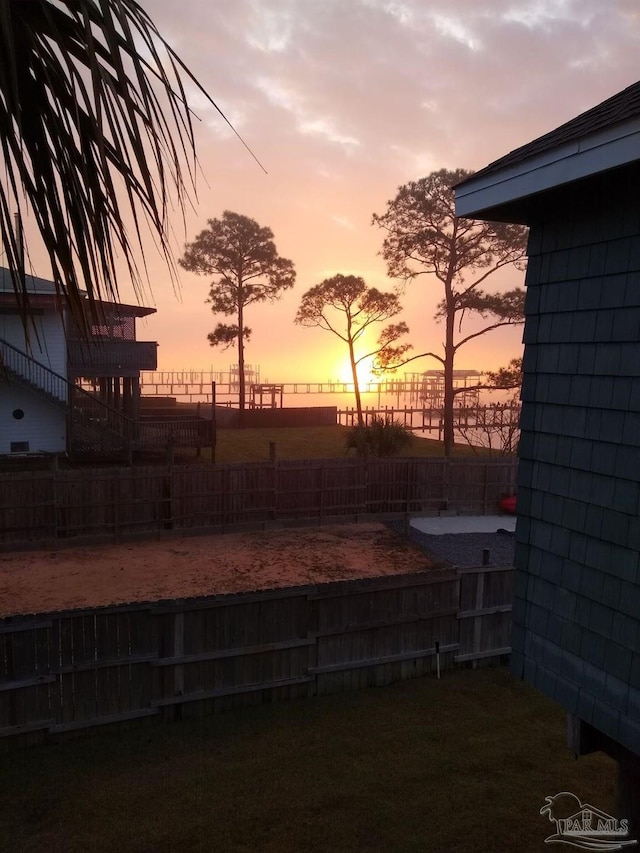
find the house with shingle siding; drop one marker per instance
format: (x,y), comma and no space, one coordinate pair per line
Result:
(576,608)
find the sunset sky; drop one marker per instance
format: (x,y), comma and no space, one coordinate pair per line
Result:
(342,101)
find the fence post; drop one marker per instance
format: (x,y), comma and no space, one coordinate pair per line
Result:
(178,652)
(312,634)
(477,621)
(276,502)
(214,424)
(198,433)
(226,498)
(365,490)
(167,499)
(485,492)
(407,503)
(55,476)
(446,482)
(115,497)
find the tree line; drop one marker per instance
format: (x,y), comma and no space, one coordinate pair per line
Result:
(95,130)
(423,237)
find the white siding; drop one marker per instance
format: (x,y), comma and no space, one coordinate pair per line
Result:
(43,424)
(47,340)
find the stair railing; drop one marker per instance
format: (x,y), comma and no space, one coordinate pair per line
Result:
(61,389)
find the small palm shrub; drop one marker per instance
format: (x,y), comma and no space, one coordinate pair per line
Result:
(380,437)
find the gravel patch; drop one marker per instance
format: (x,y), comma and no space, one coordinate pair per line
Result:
(463,549)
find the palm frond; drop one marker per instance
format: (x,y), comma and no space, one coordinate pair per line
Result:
(96,137)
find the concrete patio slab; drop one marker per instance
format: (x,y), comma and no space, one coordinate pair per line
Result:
(442,525)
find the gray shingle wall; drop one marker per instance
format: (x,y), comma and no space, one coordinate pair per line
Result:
(577,594)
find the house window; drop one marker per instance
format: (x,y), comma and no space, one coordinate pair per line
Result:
(19,447)
(18,414)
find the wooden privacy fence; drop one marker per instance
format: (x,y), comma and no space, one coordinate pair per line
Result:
(66,671)
(43,506)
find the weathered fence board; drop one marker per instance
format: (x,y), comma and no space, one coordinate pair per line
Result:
(73,670)
(113,503)
(485,613)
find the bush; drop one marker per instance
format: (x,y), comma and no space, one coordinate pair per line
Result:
(380,437)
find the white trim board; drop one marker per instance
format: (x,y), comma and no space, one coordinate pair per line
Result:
(597,152)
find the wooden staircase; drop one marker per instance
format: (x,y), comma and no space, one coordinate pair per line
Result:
(95,430)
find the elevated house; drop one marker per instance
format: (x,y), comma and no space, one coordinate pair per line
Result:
(67,390)
(576,610)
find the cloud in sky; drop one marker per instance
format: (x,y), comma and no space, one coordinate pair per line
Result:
(344,100)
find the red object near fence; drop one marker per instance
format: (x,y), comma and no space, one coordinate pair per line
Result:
(508,504)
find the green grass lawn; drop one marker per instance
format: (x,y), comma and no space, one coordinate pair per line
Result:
(252,445)
(462,764)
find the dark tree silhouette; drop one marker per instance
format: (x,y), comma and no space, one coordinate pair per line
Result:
(506,378)
(425,237)
(345,306)
(248,269)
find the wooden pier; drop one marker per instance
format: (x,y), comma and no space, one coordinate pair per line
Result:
(430,419)
(418,390)
(418,398)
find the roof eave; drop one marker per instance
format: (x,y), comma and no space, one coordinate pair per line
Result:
(129,310)
(483,196)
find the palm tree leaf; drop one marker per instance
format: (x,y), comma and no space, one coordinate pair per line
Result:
(96,138)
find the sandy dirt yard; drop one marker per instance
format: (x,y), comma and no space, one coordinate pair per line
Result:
(42,581)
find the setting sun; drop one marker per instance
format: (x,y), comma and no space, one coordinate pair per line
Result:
(365,375)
